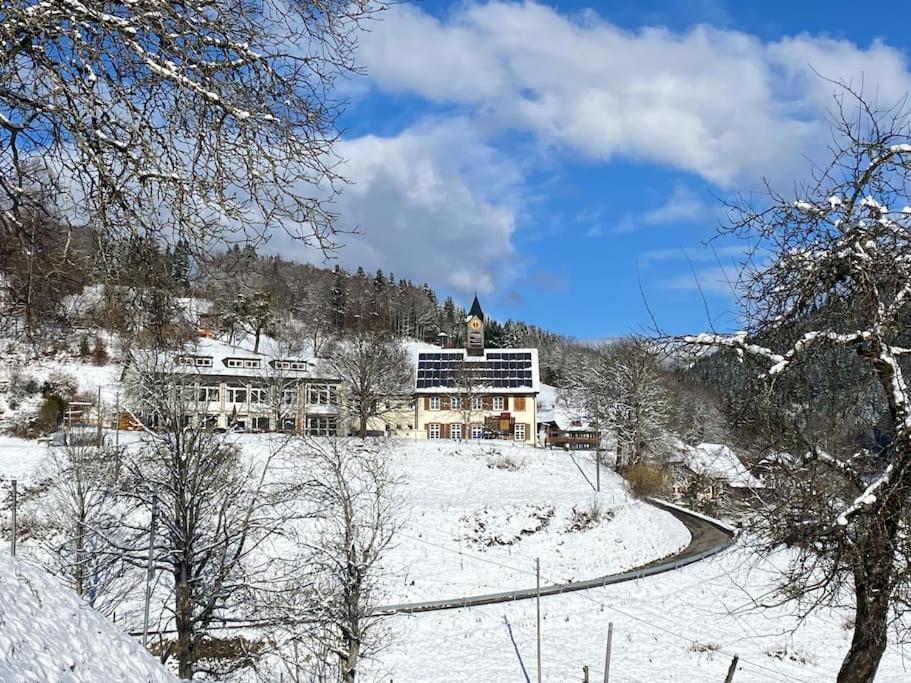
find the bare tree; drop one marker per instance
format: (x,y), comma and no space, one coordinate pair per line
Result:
(219,114)
(375,370)
(77,523)
(217,505)
(832,284)
(353,499)
(619,388)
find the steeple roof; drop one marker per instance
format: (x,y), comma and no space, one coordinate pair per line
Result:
(476,309)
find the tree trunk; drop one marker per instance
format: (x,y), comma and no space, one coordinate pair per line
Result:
(79,569)
(184,617)
(870,625)
(362,426)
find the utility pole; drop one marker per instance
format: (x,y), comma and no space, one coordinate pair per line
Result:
(151,570)
(597,469)
(538,609)
(13,530)
(98,418)
(610,637)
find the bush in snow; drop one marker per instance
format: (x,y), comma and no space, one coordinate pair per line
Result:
(499,461)
(505,526)
(585,517)
(645,480)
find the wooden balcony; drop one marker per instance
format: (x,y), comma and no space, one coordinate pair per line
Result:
(574,441)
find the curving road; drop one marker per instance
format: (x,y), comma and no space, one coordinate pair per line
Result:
(707,537)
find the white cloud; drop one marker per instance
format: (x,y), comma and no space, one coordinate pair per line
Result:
(715,102)
(434,204)
(682,206)
(718,280)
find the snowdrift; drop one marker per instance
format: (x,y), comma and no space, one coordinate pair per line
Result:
(48,634)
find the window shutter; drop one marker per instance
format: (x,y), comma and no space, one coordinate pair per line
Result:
(444,431)
(487,402)
(445,403)
(426,403)
(520,403)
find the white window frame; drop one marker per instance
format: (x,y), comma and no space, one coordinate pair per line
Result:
(498,403)
(455,431)
(518,426)
(208,394)
(477,403)
(434,402)
(455,403)
(290,396)
(259,395)
(434,430)
(321,425)
(477,431)
(231,394)
(322,394)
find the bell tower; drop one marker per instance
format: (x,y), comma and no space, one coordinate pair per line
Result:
(475,332)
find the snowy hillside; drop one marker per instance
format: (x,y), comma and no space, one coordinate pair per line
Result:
(478,515)
(47,634)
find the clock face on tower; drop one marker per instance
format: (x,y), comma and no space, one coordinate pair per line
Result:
(475,324)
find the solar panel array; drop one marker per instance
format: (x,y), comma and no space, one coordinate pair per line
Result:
(498,369)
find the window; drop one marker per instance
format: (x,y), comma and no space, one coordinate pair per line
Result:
(455,402)
(319,425)
(289,364)
(435,403)
(207,394)
(498,403)
(242,362)
(236,395)
(322,394)
(209,421)
(290,396)
(198,361)
(519,432)
(261,424)
(288,424)
(455,431)
(433,430)
(477,403)
(259,395)
(477,431)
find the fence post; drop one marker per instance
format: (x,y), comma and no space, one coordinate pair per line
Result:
(13,524)
(731,669)
(610,637)
(538,610)
(585,674)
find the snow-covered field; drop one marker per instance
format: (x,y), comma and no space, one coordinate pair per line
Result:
(477,515)
(48,634)
(679,626)
(475,525)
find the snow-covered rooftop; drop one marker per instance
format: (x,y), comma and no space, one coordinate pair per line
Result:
(217,352)
(719,462)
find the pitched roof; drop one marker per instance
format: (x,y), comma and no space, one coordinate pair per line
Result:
(508,371)
(476,309)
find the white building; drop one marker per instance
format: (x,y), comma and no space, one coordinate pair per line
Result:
(231,387)
(477,393)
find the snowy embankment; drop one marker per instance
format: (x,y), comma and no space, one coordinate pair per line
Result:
(681,626)
(48,634)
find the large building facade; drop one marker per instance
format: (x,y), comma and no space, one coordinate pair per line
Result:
(477,393)
(229,387)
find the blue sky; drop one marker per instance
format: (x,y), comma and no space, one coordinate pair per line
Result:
(567,160)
